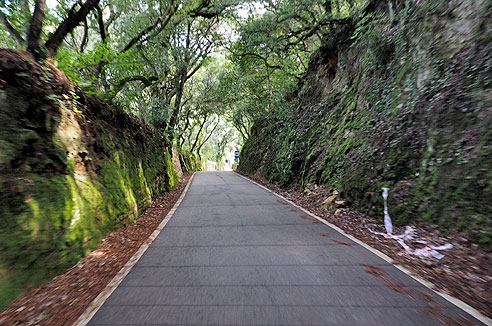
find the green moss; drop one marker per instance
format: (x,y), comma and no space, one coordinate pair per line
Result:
(173,177)
(144,193)
(411,117)
(9,288)
(407,66)
(118,195)
(189,161)
(56,210)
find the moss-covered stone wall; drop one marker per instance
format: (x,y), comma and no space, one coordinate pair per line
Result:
(72,169)
(399,97)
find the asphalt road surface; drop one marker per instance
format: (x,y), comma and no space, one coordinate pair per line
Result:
(235,254)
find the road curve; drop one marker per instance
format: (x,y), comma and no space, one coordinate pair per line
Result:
(235,254)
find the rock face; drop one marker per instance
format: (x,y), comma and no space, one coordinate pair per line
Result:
(72,169)
(400,97)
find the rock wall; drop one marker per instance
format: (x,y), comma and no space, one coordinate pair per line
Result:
(72,169)
(401,96)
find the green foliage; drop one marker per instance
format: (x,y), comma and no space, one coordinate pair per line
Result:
(158,61)
(58,198)
(171,174)
(379,47)
(405,112)
(79,67)
(58,219)
(363,28)
(189,161)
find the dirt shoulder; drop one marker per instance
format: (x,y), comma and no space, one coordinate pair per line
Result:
(61,301)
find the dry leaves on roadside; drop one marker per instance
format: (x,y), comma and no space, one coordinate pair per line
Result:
(61,301)
(465,272)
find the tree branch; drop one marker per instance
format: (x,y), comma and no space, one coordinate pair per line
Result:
(198,133)
(100,23)
(207,138)
(187,124)
(147,81)
(12,31)
(144,57)
(305,33)
(85,37)
(35,28)
(73,19)
(256,55)
(206,10)
(159,20)
(112,17)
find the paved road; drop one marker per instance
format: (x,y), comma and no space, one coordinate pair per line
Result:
(235,254)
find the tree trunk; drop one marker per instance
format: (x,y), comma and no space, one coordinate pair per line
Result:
(73,20)
(35,29)
(177,103)
(180,86)
(100,23)
(84,37)
(206,139)
(187,124)
(198,134)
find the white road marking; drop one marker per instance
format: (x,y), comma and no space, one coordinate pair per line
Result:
(457,302)
(96,304)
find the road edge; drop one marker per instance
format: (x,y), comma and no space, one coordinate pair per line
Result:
(457,302)
(97,303)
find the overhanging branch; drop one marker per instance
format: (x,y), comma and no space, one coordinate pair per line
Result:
(146,81)
(16,36)
(164,20)
(74,18)
(256,55)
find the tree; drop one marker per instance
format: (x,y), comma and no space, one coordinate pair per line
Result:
(271,55)
(75,16)
(160,59)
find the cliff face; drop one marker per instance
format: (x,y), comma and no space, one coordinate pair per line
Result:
(72,169)
(400,97)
